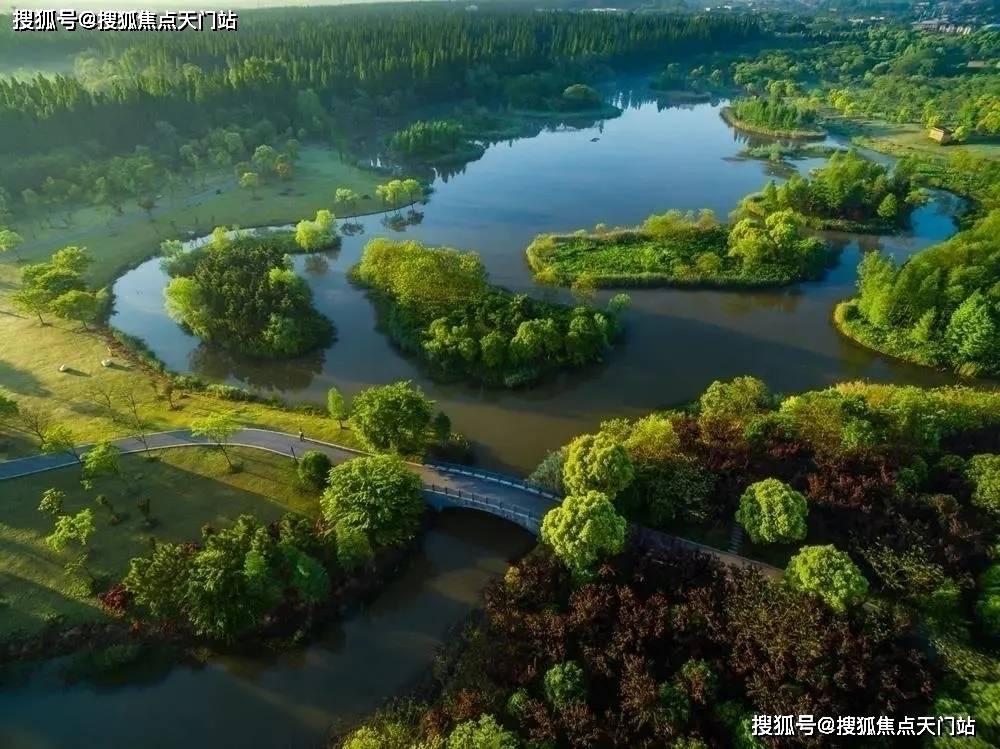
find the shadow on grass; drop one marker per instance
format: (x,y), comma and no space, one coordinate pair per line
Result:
(20,381)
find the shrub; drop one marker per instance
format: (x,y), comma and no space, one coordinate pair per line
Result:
(314,469)
(564,684)
(827,573)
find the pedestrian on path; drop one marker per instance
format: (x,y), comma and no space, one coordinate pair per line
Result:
(302,436)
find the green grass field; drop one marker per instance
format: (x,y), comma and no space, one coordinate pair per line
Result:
(187,488)
(913,138)
(120,241)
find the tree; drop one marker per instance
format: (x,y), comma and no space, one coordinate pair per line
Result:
(597,462)
(972,333)
(250,181)
(158,582)
(441,425)
(9,408)
(314,468)
(984,474)
(482,733)
(10,240)
(772,512)
(135,419)
(393,417)
(888,209)
(219,428)
(337,406)
(103,458)
(564,684)
(51,503)
(315,235)
(60,439)
(82,306)
(725,408)
(347,198)
(69,529)
(378,495)
(584,529)
(353,546)
(827,573)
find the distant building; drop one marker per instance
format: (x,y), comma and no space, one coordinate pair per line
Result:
(940,134)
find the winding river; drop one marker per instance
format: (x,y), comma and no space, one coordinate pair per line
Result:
(648,160)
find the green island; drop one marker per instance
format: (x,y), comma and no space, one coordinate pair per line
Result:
(773,117)
(677,249)
(437,304)
(848,193)
(242,293)
(685,567)
(938,309)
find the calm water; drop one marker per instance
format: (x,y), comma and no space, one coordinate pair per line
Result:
(289,700)
(676,343)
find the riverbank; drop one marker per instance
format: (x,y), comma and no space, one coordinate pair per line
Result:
(732,120)
(849,323)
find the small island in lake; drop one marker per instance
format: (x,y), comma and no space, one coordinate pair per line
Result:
(240,292)
(677,249)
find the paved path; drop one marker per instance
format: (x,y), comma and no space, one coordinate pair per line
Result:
(445,485)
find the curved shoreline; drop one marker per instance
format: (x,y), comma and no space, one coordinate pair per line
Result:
(731,119)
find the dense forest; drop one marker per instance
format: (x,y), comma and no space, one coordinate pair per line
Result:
(437,304)
(891,489)
(940,307)
(773,115)
(241,293)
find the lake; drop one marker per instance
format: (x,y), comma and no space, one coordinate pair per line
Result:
(650,159)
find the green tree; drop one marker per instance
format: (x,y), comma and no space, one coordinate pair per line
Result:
(308,577)
(726,408)
(353,546)
(888,209)
(482,733)
(314,468)
(583,529)
(9,408)
(827,573)
(10,240)
(564,684)
(250,181)
(597,462)
(984,474)
(772,512)
(378,495)
(60,439)
(347,198)
(972,333)
(218,428)
(82,306)
(158,582)
(393,417)
(69,529)
(102,458)
(51,503)
(337,406)
(317,234)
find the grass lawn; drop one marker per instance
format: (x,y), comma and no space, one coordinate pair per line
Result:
(913,138)
(119,242)
(187,488)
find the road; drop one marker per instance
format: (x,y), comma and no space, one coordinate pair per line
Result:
(444,485)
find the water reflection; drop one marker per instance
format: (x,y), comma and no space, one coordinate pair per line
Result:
(677,341)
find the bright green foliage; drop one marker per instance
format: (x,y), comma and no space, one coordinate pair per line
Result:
(10,240)
(483,733)
(939,308)
(598,462)
(652,440)
(314,468)
(549,472)
(219,428)
(337,406)
(564,684)
(51,503)
(378,495)
(233,580)
(308,576)
(353,546)
(772,512)
(383,735)
(848,188)
(8,406)
(346,197)
(439,306)
(584,529)
(777,241)
(244,296)
(102,459)
(397,192)
(81,306)
(984,473)
(772,114)
(318,234)
(59,439)
(726,408)
(45,286)
(393,417)
(158,582)
(428,139)
(72,529)
(828,573)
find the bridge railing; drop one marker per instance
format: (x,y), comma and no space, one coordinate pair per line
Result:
(524,518)
(498,478)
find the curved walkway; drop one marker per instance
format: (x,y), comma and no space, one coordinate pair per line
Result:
(445,485)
